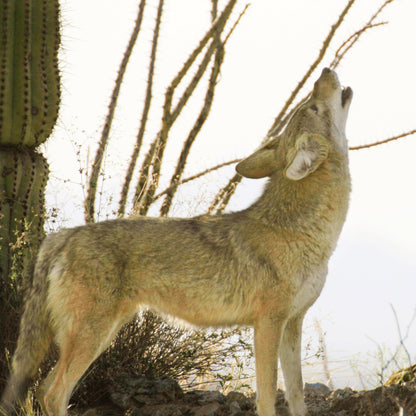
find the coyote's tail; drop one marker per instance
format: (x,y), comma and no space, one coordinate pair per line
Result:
(34,340)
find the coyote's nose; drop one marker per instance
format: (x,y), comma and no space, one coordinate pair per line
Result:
(328,75)
(326,85)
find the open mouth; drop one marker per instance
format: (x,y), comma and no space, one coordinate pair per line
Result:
(346,96)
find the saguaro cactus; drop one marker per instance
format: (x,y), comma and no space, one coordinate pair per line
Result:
(29,100)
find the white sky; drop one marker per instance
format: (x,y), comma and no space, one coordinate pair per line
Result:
(276,41)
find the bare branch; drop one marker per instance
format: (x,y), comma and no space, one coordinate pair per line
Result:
(219,55)
(223,196)
(229,192)
(284,116)
(173,115)
(214,11)
(390,139)
(144,118)
(231,162)
(154,157)
(159,144)
(92,188)
(276,127)
(350,42)
(196,176)
(144,178)
(215,28)
(236,23)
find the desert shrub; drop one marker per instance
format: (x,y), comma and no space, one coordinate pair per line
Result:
(151,347)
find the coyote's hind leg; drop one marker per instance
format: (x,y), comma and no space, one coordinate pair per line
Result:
(79,348)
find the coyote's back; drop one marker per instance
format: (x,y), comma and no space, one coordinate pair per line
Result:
(263,266)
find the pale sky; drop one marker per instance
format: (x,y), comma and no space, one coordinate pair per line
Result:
(375,262)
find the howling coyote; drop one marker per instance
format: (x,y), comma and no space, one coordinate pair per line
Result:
(264,266)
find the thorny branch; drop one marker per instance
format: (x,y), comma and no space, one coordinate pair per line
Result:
(277,125)
(340,53)
(92,188)
(390,139)
(196,176)
(144,196)
(285,115)
(145,114)
(225,193)
(219,56)
(349,43)
(232,162)
(151,166)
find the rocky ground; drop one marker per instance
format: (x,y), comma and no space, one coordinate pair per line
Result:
(164,397)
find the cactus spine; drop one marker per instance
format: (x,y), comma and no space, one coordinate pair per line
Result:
(29,101)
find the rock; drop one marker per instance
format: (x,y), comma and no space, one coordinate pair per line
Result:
(318,388)
(161,410)
(136,396)
(341,394)
(98,411)
(244,402)
(130,392)
(210,409)
(343,399)
(237,403)
(234,408)
(202,397)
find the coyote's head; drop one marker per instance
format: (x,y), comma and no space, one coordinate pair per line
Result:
(316,129)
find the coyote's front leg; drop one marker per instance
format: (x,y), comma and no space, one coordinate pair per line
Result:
(267,333)
(290,359)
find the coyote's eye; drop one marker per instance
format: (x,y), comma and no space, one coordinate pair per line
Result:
(314,108)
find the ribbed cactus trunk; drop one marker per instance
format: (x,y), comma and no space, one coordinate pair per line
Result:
(29,100)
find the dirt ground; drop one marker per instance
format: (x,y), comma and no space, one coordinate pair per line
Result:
(164,397)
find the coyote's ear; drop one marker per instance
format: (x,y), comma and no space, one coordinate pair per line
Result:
(259,165)
(309,152)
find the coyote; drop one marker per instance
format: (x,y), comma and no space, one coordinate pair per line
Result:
(263,266)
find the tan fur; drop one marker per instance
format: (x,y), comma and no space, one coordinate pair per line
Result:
(263,266)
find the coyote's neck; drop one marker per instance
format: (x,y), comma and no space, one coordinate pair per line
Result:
(314,205)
